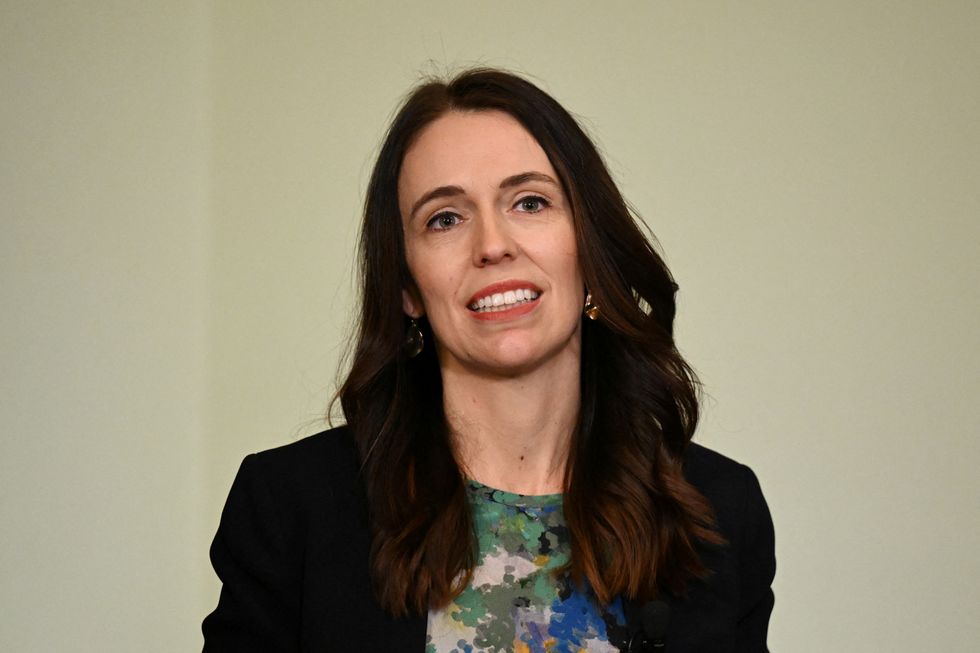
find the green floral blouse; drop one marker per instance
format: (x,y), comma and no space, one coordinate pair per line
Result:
(515,601)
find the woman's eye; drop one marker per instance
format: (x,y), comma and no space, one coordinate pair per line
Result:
(443,221)
(532,204)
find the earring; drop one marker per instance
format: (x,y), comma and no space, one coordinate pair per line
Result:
(414,342)
(591,309)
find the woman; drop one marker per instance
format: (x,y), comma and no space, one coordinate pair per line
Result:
(516,472)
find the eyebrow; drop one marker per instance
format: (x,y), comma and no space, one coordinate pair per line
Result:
(452,191)
(442,191)
(517,180)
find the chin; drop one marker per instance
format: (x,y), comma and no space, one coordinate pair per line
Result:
(516,358)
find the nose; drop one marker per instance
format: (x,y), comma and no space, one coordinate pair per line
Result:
(493,241)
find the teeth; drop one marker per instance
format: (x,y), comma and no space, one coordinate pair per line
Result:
(502,301)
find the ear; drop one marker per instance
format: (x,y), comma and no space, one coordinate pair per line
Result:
(412,303)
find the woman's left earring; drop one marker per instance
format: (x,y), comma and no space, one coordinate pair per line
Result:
(591,309)
(414,342)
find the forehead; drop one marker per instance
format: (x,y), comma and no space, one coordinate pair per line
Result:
(469,149)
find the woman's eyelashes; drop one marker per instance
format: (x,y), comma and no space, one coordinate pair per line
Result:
(532,204)
(445,220)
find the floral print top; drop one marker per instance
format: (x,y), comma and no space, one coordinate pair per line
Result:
(515,601)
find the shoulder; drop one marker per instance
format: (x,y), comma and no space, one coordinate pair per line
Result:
(731,487)
(740,508)
(704,464)
(738,593)
(330,450)
(291,550)
(283,499)
(306,475)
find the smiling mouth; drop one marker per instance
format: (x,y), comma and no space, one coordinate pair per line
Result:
(504,301)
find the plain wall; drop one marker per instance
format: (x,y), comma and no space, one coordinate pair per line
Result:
(104,153)
(183,185)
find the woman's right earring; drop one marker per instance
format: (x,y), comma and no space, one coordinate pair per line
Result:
(414,341)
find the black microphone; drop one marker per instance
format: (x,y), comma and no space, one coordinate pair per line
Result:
(651,636)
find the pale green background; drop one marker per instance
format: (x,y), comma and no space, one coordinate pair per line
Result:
(181,184)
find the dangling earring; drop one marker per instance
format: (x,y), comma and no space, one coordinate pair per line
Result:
(414,342)
(591,309)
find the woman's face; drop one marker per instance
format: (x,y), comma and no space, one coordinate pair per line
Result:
(490,244)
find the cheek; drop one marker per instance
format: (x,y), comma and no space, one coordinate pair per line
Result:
(437,286)
(569,259)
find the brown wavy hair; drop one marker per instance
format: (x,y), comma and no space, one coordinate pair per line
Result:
(634,521)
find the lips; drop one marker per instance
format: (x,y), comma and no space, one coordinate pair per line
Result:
(503,296)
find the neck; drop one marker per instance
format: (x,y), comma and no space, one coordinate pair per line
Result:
(513,433)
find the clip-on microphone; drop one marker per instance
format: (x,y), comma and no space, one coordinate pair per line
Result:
(650,637)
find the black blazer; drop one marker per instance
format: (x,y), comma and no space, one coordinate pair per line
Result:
(292,553)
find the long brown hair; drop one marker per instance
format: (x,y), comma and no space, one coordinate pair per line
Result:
(634,521)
